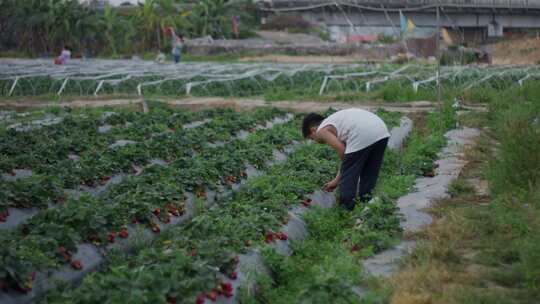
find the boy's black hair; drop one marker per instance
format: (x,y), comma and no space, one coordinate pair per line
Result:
(311,120)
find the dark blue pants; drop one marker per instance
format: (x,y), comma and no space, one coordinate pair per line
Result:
(359,174)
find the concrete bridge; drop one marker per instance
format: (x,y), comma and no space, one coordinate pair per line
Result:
(474,20)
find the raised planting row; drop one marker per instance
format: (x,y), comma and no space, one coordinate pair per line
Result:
(94,165)
(326,264)
(154,198)
(188,261)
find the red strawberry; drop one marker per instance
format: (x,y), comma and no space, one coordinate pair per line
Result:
(134,221)
(226,287)
(155,228)
(76,264)
(193,252)
(123,233)
(306,202)
(200,299)
(156,211)
(269,237)
(111,236)
(173,211)
(282,236)
(171,300)
(233,275)
(355,248)
(3,218)
(61,200)
(212,296)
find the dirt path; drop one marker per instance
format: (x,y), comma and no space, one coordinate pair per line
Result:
(310,106)
(308,59)
(91,103)
(239,104)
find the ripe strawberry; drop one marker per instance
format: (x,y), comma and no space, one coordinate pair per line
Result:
(123,233)
(228,294)
(226,286)
(193,252)
(111,236)
(212,296)
(282,236)
(3,218)
(306,202)
(269,237)
(355,248)
(155,228)
(200,299)
(156,212)
(134,221)
(171,299)
(233,275)
(61,200)
(76,264)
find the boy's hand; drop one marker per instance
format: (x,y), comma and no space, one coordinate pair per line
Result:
(330,186)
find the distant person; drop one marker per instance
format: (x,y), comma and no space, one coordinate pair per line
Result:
(65,55)
(360,138)
(177,43)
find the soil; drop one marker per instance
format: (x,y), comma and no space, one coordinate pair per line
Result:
(91,103)
(308,59)
(516,51)
(238,104)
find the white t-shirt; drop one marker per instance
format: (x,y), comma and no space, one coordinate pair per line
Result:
(356,128)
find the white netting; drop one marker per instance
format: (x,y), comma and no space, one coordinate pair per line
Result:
(94,77)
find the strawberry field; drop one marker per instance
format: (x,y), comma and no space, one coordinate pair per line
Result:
(117,205)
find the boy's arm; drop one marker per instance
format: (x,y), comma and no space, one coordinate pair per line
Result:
(327,137)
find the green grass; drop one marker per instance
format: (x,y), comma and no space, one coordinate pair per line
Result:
(486,249)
